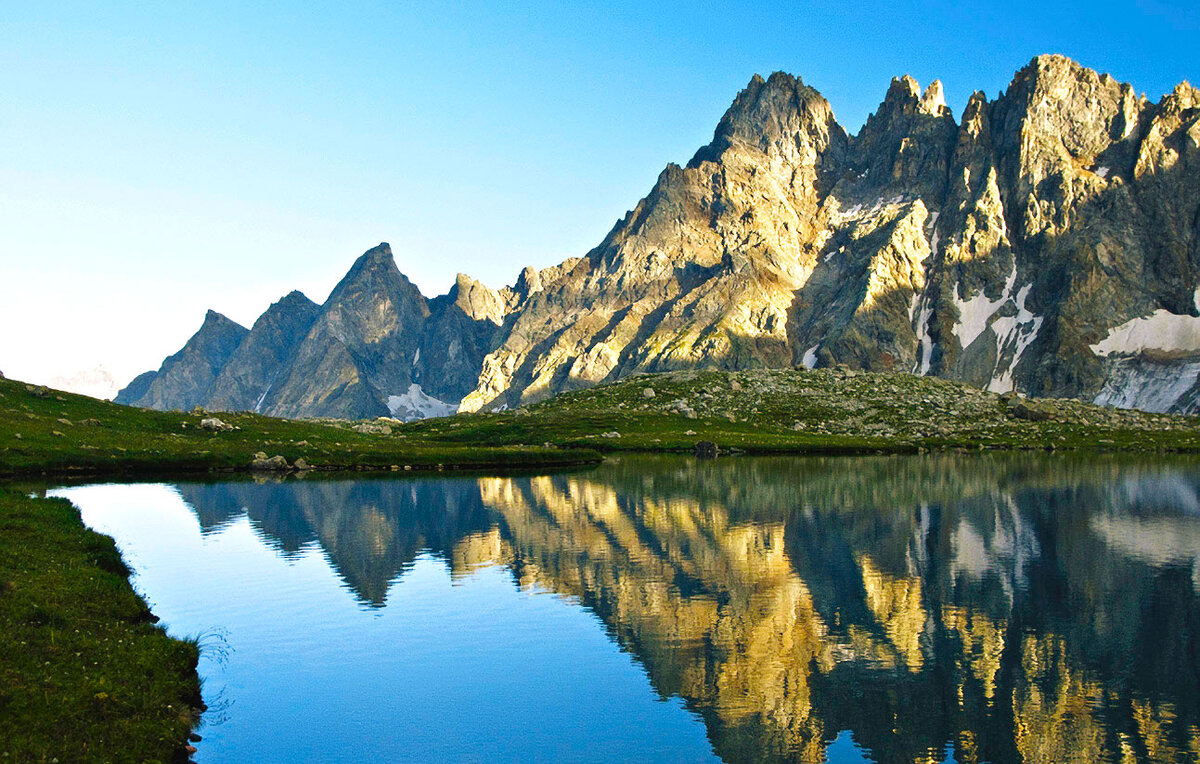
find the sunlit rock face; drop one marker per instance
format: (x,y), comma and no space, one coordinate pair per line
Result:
(1047,242)
(1007,609)
(996,250)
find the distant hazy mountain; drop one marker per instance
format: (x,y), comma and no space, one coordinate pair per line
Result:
(1049,243)
(96,382)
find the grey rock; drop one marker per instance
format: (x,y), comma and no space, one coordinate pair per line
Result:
(274,464)
(1030,411)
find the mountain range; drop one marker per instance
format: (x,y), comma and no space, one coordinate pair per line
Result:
(1047,242)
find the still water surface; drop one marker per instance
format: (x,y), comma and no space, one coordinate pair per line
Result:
(663,609)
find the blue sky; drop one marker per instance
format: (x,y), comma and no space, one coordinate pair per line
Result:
(158,159)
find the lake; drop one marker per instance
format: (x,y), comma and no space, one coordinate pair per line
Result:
(666,609)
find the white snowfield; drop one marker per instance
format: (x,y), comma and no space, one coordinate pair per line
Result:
(809,361)
(415,404)
(1161,330)
(1150,386)
(96,382)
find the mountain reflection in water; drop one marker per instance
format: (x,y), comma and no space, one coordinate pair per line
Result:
(988,609)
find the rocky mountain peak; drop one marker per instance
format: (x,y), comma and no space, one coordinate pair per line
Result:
(779,115)
(1055,106)
(295,297)
(213,318)
(905,99)
(1184,96)
(933,100)
(477,300)
(528,282)
(185,378)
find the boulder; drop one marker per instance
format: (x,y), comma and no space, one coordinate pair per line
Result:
(274,464)
(1029,411)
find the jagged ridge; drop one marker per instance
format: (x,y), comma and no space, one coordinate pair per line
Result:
(1048,243)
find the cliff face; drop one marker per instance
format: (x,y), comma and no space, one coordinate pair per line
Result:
(1048,243)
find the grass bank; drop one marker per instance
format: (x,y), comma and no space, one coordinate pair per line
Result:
(86,674)
(821,412)
(49,432)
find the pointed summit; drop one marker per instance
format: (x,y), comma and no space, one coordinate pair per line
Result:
(933,100)
(776,115)
(361,346)
(246,381)
(905,99)
(185,378)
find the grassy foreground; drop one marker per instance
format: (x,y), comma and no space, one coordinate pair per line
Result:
(821,411)
(45,431)
(85,675)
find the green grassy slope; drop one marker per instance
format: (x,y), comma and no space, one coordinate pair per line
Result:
(822,411)
(48,431)
(85,675)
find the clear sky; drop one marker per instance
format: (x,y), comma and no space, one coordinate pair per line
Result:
(158,159)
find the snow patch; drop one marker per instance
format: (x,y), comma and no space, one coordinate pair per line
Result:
(1102,172)
(922,329)
(258,404)
(1161,330)
(1019,330)
(809,361)
(859,211)
(1014,334)
(974,314)
(415,404)
(417,357)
